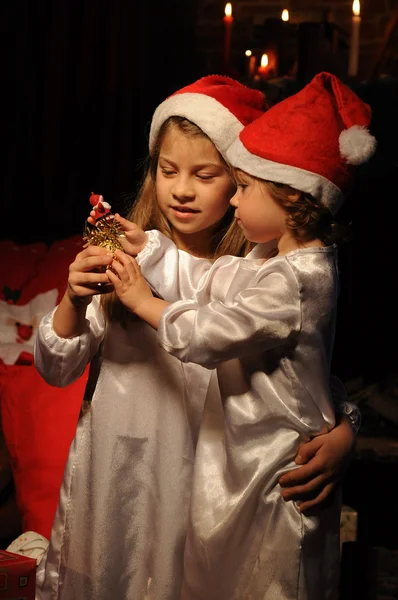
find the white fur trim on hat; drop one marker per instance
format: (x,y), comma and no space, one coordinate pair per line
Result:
(204,111)
(357,145)
(319,187)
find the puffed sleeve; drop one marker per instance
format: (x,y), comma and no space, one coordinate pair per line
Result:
(60,361)
(265,312)
(171,273)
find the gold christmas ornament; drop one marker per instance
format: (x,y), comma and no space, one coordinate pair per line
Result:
(105,233)
(106,230)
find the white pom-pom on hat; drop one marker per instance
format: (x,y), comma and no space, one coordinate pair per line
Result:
(357,145)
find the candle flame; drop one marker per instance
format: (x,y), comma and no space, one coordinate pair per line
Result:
(285,15)
(356,8)
(248,52)
(228,9)
(264,60)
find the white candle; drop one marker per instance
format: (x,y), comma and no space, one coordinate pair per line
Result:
(248,54)
(354,46)
(252,65)
(228,20)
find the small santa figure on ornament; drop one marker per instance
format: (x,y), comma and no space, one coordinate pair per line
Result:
(100,207)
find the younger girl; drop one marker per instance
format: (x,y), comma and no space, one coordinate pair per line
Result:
(120,527)
(268,328)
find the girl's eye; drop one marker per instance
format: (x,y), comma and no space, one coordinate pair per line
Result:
(204,177)
(242,186)
(167,171)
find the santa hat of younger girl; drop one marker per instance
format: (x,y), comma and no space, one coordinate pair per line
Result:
(218,105)
(310,141)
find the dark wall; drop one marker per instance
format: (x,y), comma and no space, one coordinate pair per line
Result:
(367,328)
(81,80)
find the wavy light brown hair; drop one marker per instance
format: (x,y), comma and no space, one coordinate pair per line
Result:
(145,212)
(307,219)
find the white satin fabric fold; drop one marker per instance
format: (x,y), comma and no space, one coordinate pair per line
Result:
(277,319)
(120,526)
(176,275)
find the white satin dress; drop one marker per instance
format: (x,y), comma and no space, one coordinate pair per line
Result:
(268,327)
(120,527)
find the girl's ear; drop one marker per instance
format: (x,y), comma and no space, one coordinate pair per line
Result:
(294,196)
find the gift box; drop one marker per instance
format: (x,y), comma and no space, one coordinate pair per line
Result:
(17,576)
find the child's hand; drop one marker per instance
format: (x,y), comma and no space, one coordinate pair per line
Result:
(129,284)
(324,460)
(86,274)
(91,219)
(135,238)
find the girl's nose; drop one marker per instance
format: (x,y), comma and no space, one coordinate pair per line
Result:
(183,189)
(234,200)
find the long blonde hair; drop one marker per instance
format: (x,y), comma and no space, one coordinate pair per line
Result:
(145,212)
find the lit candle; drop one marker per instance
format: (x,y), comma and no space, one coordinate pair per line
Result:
(228,20)
(285,15)
(283,57)
(250,63)
(248,54)
(263,69)
(354,47)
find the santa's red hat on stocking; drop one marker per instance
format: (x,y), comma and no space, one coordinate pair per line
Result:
(218,105)
(310,141)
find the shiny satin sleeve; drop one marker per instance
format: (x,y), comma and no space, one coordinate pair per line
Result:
(60,361)
(257,312)
(342,405)
(172,273)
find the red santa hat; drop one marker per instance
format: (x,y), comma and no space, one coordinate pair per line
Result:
(218,105)
(310,141)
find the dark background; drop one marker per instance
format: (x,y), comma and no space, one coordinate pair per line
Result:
(83,78)
(81,81)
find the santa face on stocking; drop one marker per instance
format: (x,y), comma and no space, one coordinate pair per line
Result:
(18,326)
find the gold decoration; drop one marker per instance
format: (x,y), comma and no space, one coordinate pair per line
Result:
(104,233)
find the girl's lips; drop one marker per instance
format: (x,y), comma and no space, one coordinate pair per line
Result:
(183,213)
(185,209)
